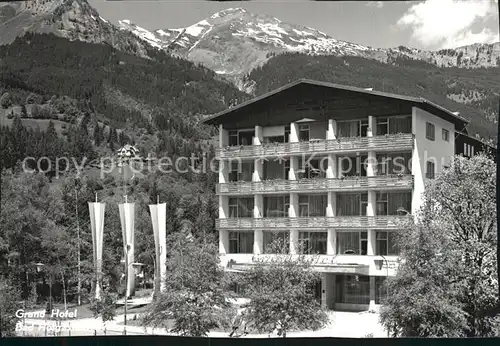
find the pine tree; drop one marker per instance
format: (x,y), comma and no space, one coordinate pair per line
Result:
(112,136)
(97,135)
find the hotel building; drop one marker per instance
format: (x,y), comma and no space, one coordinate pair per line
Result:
(329,169)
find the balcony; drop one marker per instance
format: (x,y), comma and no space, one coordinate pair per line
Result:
(354,222)
(403,141)
(385,182)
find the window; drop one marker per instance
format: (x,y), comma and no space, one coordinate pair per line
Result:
(241,137)
(233,138)
(386,244)
(352,243)
(430,170)
(430,130)
(311,243)
(311,169)
(352,166)
(287,133)
(352,128)
(361,165)
(241,207)
(446,135)
(388,164)
(468,150)
(274,169)
(276,242)
(382,204)
(400,124)
(382,126)
(276,206)
(240,242)
(303,206)
(304,133)
(245,137)
(397,201)
(241,171)
(364,128)
(352,204)
(233,171)
(352,289)
(312,205)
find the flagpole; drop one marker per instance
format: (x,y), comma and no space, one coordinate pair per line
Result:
(78,238)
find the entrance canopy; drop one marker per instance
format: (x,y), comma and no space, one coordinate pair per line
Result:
(335,268)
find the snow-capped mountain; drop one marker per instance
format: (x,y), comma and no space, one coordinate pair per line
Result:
(231,42)
(72,19)
(234,41)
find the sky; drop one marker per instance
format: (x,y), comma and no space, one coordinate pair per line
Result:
(430,24)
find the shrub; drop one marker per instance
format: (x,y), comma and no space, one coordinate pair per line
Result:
(104,307)
(33,98)
(6,100)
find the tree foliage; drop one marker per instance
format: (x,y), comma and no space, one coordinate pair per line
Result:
(194,297)
(447,283)
(104,307)
(9,298)
(281,293)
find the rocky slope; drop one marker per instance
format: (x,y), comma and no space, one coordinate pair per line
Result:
(72,19)
(232,42)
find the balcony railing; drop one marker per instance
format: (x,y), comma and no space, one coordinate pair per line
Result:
(402,141)
(357,222)
(386,182)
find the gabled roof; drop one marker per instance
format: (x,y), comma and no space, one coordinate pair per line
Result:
(427,105)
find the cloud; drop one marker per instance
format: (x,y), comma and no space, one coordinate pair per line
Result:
(449,23)
(377,4)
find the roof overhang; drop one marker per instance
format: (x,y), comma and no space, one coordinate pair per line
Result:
(419,102)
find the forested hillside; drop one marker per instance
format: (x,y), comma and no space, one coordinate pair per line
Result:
(97,99)
(49,65)
(474,93)
(108,90)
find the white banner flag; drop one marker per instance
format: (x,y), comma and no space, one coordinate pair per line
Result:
(158,218)
(97,225)
(127,220)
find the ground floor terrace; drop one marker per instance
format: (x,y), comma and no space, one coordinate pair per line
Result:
(347,282)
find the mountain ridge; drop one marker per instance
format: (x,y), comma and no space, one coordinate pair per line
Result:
(233,42)
(71,19)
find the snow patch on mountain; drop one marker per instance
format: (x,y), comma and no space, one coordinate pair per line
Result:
(272,29)
(161,32)
(142,33)
(197,29)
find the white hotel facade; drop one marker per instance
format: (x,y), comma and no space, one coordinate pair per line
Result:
(343,205)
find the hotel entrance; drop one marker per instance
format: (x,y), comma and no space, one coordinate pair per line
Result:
(352,292)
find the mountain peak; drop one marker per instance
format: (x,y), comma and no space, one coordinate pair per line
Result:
(234,41)
(229,11)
